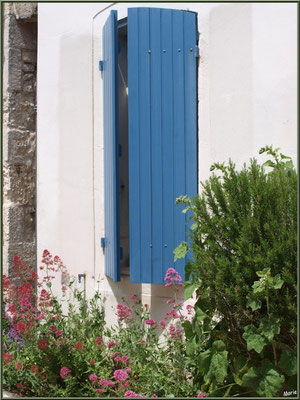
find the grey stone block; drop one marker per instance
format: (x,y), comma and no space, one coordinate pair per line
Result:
(28,67)
(22,35)
(29,223)
(22,184)
(21,146)
(25,251)
(14,70)
(25,11)
(22,112)
(29,56)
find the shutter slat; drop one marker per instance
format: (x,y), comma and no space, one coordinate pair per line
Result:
(167,137)
(134,149)
(191,122)
(156,145)
(179,129)
(111,146)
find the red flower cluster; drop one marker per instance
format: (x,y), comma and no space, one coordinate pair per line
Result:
(123,312)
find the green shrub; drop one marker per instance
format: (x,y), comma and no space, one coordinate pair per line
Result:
(244,228)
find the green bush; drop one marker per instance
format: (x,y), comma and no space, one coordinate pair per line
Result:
(244,228)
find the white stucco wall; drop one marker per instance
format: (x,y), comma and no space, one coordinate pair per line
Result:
(247,98)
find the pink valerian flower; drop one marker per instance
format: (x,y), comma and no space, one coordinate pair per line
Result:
(93,378)
(163,324)
(172,314)
(100,390)
(125,359)
(111,344)
(120,375)
(58,333)
(105,382)
(201,394)
(99,341)
(52,328)
(123,311)
(150,322)
(170,301)
(175,333)
(116,353)
(34,368)
(78,345)
(65,373)
(43,344)
(117,359)
(172,277)
(130,393)
(92,362)
(154,395)
(143,341)
(133,298)
(19,365)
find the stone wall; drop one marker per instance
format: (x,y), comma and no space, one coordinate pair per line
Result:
(19,132)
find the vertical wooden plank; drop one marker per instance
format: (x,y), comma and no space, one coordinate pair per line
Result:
(156,145)
(167,139)
(179,130)
(191,124)
(134,156)
(111,145)
(139,81)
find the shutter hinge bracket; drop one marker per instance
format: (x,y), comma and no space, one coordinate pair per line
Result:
(103,242)
(196,51)
(101,65)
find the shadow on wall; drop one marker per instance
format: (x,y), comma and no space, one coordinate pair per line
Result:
(230,79)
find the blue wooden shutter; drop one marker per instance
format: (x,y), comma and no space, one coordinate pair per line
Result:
(111,147)
(162,111)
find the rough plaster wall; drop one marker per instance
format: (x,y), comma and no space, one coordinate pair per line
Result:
(19,132)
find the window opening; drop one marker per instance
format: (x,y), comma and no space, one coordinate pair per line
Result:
(123,145)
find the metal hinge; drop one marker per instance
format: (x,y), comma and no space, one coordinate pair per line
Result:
(103,242)
(196,51)
(101,65)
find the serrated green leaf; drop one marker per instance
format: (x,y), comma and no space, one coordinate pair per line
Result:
(190,346)
(277,282)
(289,164)
(269,326)
(189,289)
(218,345)
(199,314)
(188,329)
(269,163)
(218,367)
(204,361)
(185,210)
(267,380)
(253,303)
(180,251)
(258,287)
(285,157)
(254,339)
(288,363)
(266,271)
